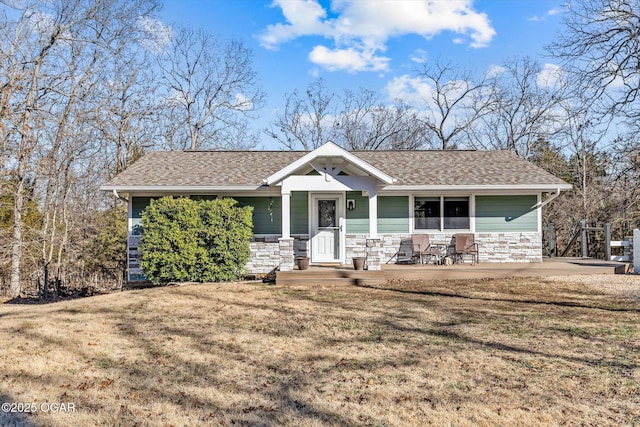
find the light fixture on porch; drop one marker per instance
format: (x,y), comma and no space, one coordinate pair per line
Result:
(351,204)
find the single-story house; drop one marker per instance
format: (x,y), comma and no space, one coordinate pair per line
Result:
(330,204)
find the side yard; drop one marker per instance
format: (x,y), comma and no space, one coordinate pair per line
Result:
(552,351)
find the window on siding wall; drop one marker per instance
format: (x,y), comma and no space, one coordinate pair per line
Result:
(456,213)
(426,213)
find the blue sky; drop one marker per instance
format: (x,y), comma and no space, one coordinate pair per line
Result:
(373,44)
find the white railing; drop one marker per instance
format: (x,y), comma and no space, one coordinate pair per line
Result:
(627,246)
(630,250)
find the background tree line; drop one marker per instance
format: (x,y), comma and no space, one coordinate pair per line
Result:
(87,87)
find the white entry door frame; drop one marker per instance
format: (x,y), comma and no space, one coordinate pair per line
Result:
(326,227)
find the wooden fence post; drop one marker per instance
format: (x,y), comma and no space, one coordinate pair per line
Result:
(607,241)
(583,238)
(636,251)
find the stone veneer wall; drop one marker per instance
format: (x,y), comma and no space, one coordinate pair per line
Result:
(266,252)
(359,245)
(301,246)
(510,247)
(493,247)
(286,253)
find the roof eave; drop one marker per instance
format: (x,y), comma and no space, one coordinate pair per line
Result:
(454,187)
(180,188)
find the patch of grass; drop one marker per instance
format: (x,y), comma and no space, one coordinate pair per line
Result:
(488,352)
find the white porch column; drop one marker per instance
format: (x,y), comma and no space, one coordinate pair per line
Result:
(373,214)
(286,215)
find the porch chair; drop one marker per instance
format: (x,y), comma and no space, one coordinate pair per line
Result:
(427,252)
(466,245)
(405,253)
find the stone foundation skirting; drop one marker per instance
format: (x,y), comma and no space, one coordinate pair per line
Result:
(270,252)
(359,245)
(265,254)
(510,247)
(492,247)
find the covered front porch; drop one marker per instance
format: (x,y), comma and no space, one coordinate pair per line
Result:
(328,175)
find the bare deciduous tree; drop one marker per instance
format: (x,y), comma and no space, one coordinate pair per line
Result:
(308,121)
(51,56)
(367,124)
(211,88)
(456,102)
(127,111)
(356,121)
(526,105)
(600,46)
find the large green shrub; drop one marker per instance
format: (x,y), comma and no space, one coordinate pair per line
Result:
(199,241)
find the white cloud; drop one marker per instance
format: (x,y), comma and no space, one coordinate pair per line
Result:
(495,70)
(358,25)
(554,11)
(551,12)
(415,91)
(419,56)
(158,34)
(418,93)
(351,59)
(243,103)
(549,76)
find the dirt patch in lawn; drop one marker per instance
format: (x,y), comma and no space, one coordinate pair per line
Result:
(490,352)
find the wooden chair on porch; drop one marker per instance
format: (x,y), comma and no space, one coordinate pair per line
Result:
(466,245)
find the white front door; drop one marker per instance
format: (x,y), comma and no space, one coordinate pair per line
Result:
(326,218)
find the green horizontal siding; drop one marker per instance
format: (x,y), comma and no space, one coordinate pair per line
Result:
(506,214)
(357,220)
(393,214)
(299,212)
(267,213)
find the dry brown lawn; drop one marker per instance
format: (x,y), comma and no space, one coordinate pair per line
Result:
(493,352)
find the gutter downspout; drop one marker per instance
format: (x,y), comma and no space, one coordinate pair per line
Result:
(543,203)
(119,197)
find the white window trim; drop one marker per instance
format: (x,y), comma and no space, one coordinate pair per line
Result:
(472,215)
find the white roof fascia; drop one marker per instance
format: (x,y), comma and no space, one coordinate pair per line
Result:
(532,187)
(178,188)
(328,149)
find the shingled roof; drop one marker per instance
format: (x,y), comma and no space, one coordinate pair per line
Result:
(247,169)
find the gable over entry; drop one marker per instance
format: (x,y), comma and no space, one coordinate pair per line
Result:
(338,171)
